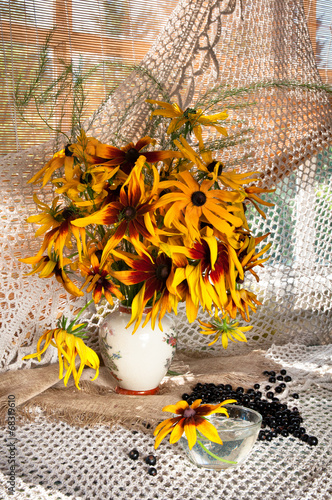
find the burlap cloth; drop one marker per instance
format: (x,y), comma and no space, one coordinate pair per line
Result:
(97,403)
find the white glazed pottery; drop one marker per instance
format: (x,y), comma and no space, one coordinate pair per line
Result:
(138,361)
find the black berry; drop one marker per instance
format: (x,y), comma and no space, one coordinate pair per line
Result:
(152,471)
(287,378)
(272,379)
(295,395)
(151,460)
(256,386)
(312,441)
(283,372)
(133,454)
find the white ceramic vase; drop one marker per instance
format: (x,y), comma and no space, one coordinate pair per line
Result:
(138,361)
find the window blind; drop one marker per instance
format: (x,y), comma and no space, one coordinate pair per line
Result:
(101,39)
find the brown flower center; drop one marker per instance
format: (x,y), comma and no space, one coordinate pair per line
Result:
(211,166)
(132,155)
(189,111)
(162,272)
(67,213)
(67,150)
(189,412)
(98,254)
(198,198)
(86,178)
(129,213)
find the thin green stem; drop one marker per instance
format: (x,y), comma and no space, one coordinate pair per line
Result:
(213,455)
(82,310)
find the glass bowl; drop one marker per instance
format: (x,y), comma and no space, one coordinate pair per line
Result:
(238,434)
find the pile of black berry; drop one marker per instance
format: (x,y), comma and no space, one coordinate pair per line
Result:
(278,419)
(149,460)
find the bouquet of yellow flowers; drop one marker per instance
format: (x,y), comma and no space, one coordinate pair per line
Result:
(149,227)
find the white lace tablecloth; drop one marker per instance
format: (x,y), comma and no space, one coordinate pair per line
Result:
(57,461)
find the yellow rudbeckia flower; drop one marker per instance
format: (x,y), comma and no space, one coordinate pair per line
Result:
(190,419)
(191,117)
(224,329)
(69,346)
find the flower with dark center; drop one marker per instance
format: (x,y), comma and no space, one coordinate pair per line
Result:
(190,202)
(212,276)
(98,279)
(128,155)
(129,214)
(190,419)
(156,273)
(211,166)
(69,347)
(83,150)
(49,266)
(198,198)
(57,226)
(190,117)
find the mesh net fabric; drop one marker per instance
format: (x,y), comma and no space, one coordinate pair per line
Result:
(59,461)
(204,44)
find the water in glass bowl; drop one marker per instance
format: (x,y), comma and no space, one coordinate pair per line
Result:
(238,434)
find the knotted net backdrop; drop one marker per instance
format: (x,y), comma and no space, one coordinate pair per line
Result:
(208,43)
